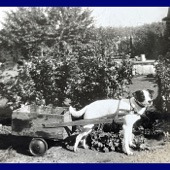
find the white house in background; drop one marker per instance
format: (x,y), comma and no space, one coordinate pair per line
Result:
(143,66)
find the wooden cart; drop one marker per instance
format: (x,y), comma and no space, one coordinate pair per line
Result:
(43,122)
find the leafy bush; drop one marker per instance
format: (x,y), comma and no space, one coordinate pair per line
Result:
(39,81)
(105,138)
(43,80)
(103,141)
(163,79)
(94,78)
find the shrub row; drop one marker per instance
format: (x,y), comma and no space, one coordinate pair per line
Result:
(45,80)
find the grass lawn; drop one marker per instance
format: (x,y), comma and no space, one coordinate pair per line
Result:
(143,82)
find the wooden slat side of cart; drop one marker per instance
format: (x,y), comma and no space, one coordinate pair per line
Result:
(30,123)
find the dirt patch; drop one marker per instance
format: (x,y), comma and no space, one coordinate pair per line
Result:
(14,151)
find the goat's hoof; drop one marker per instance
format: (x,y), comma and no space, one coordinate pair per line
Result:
(86,147)
(75,149)
(129,153)
(132,145)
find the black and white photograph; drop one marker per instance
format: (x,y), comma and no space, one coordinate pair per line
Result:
(84,84)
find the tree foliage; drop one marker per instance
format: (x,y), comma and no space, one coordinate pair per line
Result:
(46,31)
(149,40)
(49,31)
(163,78)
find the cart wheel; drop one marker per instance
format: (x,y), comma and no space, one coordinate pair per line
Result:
(38,147)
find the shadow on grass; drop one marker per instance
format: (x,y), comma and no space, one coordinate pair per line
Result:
(18,143)
(21,143)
